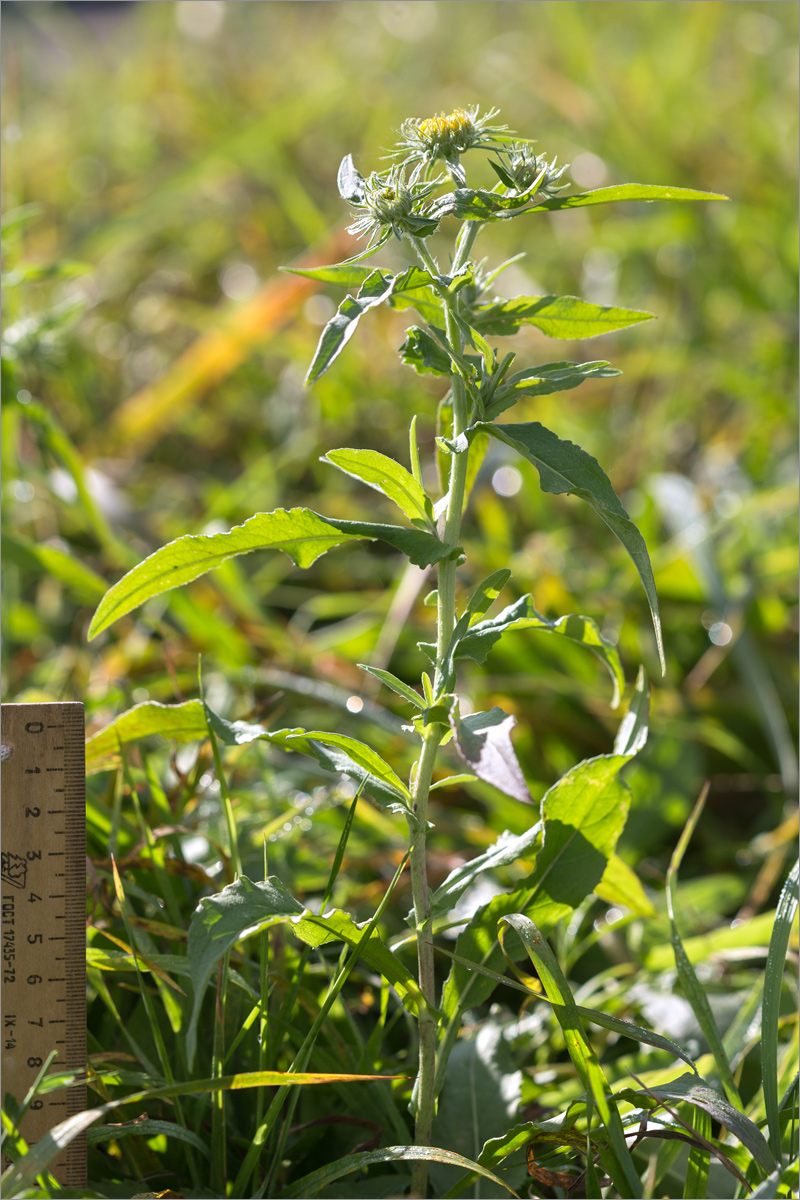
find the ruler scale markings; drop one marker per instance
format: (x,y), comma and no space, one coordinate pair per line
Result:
(43,747)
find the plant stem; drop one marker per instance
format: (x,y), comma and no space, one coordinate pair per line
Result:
(432,736)
(426,1076)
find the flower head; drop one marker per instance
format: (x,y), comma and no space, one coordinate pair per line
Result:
(447,136)
(520,169)
(386,202)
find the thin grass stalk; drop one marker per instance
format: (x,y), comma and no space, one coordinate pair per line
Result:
(155,1028)
(304,1053)
(686,973)
(773,982)
(219,1173)
(227,808)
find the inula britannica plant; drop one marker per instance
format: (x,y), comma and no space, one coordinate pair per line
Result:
(419,197)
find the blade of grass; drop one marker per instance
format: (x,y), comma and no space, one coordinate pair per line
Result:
(615,1024)
(619,1163)
(696,1183)
(227,808)
(288,1005)
(691,984)
(304,1053)
(152,1018)
(773,981)
(219,1174)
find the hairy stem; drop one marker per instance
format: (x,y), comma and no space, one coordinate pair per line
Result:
(446,618)
(426,1076)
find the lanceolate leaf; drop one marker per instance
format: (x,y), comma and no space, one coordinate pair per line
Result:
(557,316)
(486,593)
(337,333)
(544,380)
(506,850)
(564,467)
(344,274)
(384,475)
(338,754)
(244,908)
(483,741)
(299,532)
(624,192)
(362,755)
(478,641)
(397,685)
(182,722)
(423,549)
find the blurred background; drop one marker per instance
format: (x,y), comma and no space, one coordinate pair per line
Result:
(161,161)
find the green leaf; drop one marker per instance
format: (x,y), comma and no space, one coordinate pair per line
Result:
(423,549)
(22,1174)
(505,851)
(616,1024)
(584,814)
(619,1163)
(338,754)
(302,534)
(564,467)
(557,316)
(624,192)
(423,353)
(773,982)
(148,1128)
(360,754)
(397,685)
(464,988)
(483,741)
(384,475)
(691,1089)
(696,1182)
(478,641)
(337,333)
(453,781)
(545,380)
(620,885)
(41,559)
(469,204)
(310,1184)
(692,988)
(345,274)
(486,593)
(178,722)
(243,908)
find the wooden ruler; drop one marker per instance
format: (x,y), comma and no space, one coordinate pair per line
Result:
(43,919)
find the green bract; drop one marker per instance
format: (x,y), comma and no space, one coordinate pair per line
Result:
(568,842)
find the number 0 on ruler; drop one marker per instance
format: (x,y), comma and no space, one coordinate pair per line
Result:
(43,920)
